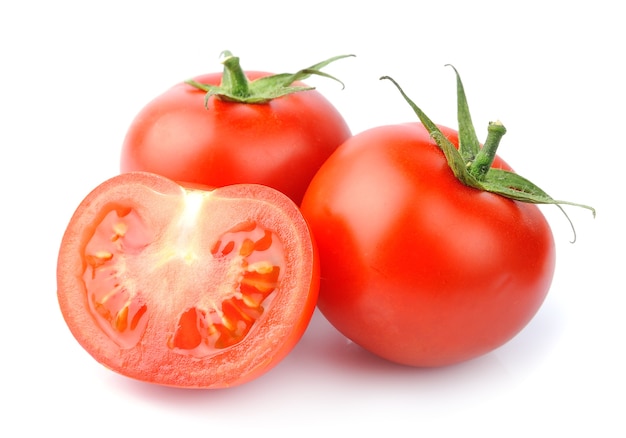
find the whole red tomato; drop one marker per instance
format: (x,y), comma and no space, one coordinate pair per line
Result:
(234,127)
(425,261)
(186,287)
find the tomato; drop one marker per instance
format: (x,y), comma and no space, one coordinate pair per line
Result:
(183,286)
(188,135)
(415,266)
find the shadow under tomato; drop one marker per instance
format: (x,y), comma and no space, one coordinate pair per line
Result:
(329,360)
(327,368)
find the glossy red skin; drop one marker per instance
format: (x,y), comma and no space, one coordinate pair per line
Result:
(280,144)
(416,267)
(158,202)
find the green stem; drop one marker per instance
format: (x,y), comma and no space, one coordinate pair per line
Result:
(233,76)
(482,163)
(478,173)
(236,87)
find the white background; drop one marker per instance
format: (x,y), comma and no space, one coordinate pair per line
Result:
(73,76)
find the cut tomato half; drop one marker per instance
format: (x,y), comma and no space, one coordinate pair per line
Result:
(187,287)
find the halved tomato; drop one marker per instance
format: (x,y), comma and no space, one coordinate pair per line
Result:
(187,287)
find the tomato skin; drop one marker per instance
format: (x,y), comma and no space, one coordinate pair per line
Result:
(416,267)
(280,144)
(170,293)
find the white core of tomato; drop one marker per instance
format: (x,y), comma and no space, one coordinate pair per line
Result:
(186,247)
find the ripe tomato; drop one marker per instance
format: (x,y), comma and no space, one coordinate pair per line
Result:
(415,266)
(280,143)
(186,287)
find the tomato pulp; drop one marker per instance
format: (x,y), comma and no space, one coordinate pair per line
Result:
(280,143)
(183,286)
(415,266)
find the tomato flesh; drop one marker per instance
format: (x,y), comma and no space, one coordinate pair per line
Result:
(178,283)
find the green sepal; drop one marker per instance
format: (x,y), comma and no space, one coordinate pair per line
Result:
(454,158)
(235,86)
(471,164)
(469,146)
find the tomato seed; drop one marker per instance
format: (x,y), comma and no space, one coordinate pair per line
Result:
(121,320)
(264,242)
(119,229)
(247,248)
(246,226)
(142,310)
